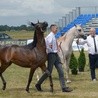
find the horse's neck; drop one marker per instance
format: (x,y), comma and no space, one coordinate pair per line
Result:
(32,44)
(40,41)
(70,35)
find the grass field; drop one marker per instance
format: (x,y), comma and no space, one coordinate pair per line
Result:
(16,78)
(22,34)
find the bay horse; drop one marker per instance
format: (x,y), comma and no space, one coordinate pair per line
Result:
(30,56)
(65,44)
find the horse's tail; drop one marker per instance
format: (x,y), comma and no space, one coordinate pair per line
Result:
(62,51)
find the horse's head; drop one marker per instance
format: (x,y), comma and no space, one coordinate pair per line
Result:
(40,26)
(79,32)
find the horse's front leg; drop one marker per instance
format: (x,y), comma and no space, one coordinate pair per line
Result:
(4,82)
(67,63)
(30,78)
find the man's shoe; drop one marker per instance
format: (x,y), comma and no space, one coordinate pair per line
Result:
(67,89)
(94,80)
(38,87)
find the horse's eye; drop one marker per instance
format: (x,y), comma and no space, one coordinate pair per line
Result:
(79,30)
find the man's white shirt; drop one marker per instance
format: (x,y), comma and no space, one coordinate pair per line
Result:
(90,44)
(51,41)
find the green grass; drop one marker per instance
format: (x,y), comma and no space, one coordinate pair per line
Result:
(22,34)
(17,77)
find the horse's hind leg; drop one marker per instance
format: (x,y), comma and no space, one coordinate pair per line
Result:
(2,69)
(4,82)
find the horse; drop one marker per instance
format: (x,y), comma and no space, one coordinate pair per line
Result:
(29,56)
(65,44)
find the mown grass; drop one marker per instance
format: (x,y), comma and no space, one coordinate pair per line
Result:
(17,77)
(22,34)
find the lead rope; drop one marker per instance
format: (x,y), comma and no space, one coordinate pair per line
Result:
(78,46)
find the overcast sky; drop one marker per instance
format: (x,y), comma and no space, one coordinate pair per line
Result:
(18,12)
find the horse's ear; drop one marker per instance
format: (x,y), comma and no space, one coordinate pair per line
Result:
(32,24)
(80,24)
(75,25)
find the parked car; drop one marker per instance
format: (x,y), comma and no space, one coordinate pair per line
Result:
(4,36)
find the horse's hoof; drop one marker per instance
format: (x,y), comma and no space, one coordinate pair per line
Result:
(68,81)
(51,90)
(4,87)
(27,90)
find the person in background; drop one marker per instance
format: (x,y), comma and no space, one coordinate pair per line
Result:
(92,43)
(53,60)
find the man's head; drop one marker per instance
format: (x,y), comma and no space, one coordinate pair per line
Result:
(54,28)
(92,31)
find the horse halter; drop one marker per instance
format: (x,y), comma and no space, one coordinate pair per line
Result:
(78,31)
(80,35)
(44,26)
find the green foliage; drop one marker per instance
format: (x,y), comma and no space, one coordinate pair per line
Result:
(73,64)
(16,28)
(81,60)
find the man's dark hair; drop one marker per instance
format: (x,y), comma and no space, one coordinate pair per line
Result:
(52,25)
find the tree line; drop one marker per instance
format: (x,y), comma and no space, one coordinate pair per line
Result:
(16,28)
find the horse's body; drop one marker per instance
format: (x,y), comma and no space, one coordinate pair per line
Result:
(65,43)
(31,56)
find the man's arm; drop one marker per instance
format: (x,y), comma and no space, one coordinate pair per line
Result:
(81,41)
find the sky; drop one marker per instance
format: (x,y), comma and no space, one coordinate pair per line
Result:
(19,12)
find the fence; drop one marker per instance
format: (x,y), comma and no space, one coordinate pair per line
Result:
(11,42)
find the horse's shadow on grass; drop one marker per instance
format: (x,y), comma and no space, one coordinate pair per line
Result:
(22,90)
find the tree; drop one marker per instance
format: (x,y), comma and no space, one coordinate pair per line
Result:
(81,60)
(73,64)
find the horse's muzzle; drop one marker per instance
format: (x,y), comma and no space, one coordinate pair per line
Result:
(84,37)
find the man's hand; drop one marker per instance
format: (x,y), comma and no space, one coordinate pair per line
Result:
(50,46)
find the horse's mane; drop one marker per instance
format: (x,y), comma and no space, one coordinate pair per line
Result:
(62,37)
(32,44)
